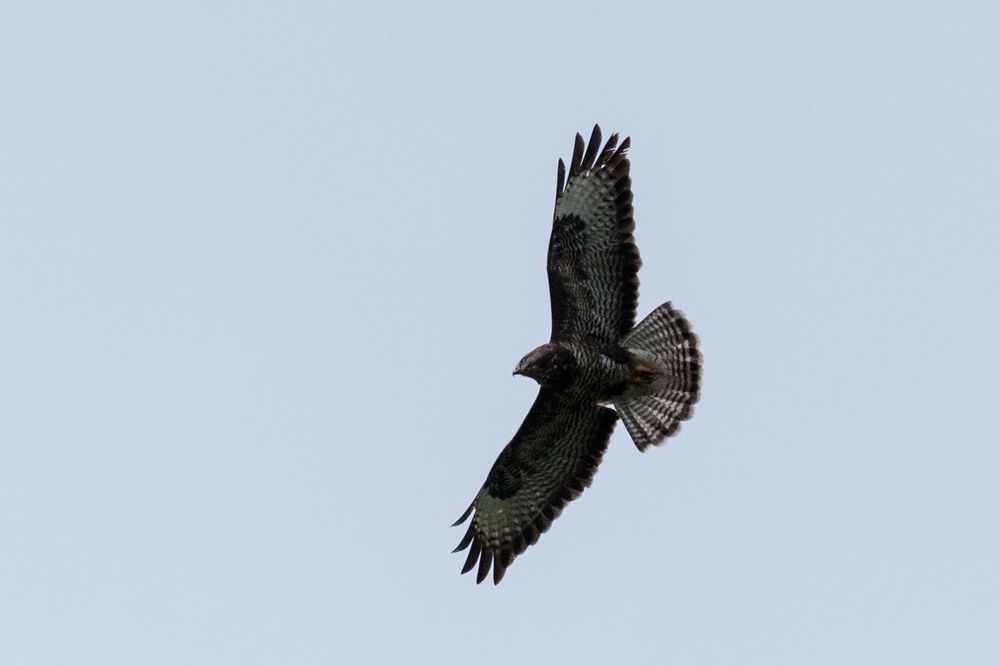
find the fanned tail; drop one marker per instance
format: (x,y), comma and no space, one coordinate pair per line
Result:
(668,376)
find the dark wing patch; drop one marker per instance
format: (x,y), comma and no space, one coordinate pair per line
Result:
(552,458)
(593,262)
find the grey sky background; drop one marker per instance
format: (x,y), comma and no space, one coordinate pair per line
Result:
(265,270)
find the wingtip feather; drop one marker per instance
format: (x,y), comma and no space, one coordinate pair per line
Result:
(592,147)
(500,564)
(470,560)
(485,561)
(466,540)
(574,164)
(464,516)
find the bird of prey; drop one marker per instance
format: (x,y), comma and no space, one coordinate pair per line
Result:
(650,373)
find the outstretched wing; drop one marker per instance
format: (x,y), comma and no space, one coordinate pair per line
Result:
(593,262)
(551,459)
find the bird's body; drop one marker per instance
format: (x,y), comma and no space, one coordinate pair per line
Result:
(595,357)
(582,369)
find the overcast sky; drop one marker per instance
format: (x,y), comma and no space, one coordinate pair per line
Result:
(265,270)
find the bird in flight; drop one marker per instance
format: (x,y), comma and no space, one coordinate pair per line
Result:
(595,357)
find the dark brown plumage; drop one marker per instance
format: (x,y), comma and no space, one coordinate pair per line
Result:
(650,373)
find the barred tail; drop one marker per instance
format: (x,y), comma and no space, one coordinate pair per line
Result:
(668,362)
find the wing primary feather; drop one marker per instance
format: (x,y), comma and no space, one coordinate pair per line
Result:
(560,178)
(574,164)
(609,150)
(470,561)
(484,566)
(464,516)
(622,149)
(466,540)
(498,567)
(592,148)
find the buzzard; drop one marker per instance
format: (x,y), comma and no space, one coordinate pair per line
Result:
(650,373)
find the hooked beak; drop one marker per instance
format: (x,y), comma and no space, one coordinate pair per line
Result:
(518,370)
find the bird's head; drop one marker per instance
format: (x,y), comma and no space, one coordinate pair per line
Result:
(551,365)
